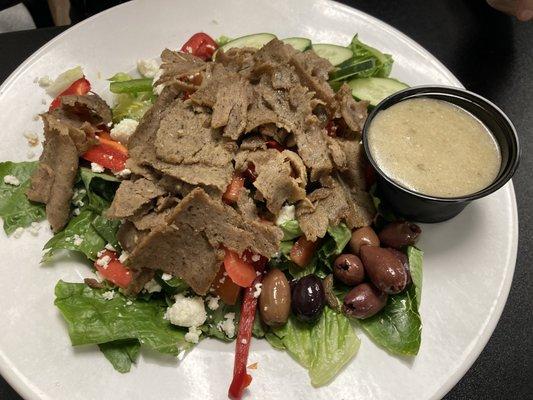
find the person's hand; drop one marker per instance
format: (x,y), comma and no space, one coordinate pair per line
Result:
(522,9)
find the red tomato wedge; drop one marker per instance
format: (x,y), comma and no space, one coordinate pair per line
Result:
(241,378)
(200,45)
(112,269)
(241,272)
(79,87)
(227,290)
(231,195)
(108,153)
(302,251)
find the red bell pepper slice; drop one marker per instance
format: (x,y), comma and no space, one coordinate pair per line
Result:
(240,271)
(79,87)
(113,271)
(108,153)
(241,379)
(225,288)
(200,45)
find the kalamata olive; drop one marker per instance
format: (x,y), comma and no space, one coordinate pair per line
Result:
(363,301)
(405,262)
(399,234)
(275,299)
(384,269)
(363,236)
(348,268)
(308,298)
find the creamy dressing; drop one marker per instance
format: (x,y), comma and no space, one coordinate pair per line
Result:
(434,147)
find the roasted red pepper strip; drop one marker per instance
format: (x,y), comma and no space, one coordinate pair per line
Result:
(200,45)
(79,87)
(108,153)
(241,379)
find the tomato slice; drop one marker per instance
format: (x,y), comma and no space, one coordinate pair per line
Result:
(112,269)
(200,45)
(227,290)
(231,195)
(241,272)
(302,251)
(79,87)
(108,153)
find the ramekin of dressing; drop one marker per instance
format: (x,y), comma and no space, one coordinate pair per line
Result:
(435,149)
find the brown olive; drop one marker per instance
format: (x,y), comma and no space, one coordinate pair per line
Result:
(363,236)
(348,268)
(405,262)
(275,299)
(363,301)
(384,269)
(399,234)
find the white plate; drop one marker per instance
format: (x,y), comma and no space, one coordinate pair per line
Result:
(469,261)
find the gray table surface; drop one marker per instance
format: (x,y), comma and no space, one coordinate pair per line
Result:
(491,54)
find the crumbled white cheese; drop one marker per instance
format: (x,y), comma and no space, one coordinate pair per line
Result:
(147,67)
(286,213)
(166,277)
(244,341)
(103,262)
(95,167)
(228,325)
(256,257)
(152,286)
(110,247)
(44,81)
(193,336)
(18,232)
(78,240)
(34,228)
(212,302)
(11,180)
(76,211)
(123,130)
(123,256)
(129,303)
(257,291)
(158,88)
(187,311)
(124,174)
(108,295)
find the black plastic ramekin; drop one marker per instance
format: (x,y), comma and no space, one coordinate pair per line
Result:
(422,208)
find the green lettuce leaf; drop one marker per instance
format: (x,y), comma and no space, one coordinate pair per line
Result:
(334,244)
(100,189)
(107,229)
(323,348)
(398,327)
(121,354)
(222,40)
(214,317)
(91,319)
(15,208)
(79,235)
(291,230)
(173,286)
(383,62)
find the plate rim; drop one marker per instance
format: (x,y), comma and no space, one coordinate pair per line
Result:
(26,389)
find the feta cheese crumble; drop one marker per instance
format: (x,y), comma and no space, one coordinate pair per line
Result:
(108,295)
(166,277)
(123,256)
(193,336)
(103,262)
(286,213)
(78,240)
(44,81)
(110,247)
(95,167)
(147,67)
(257,291)
(187,311)
(11,180)
(123,130)
(212,302)
(228,325)
(124,174)
(152,286)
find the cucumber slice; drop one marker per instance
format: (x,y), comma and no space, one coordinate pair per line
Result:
(353,69)
(333,53)
(256,41)
(299,43)
(375,90)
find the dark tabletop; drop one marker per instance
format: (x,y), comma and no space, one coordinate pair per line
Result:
(491,54)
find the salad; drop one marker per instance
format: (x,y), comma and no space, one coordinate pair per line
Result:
(225,194)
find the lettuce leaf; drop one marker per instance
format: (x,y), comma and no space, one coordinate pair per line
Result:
(398,327)
(15,208)
(338,238)
(121,354)
(100,188)
(291,230)
(323,348)
(383,62)
(91,319)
